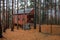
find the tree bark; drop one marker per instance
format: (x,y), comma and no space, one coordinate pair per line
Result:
(0,22)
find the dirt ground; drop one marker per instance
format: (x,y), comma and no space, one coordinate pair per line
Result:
(32,34)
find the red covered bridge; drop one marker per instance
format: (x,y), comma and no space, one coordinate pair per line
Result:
(24,17)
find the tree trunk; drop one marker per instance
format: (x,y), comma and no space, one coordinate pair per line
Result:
(0,22)
(0,31)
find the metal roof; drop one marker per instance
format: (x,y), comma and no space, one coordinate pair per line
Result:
(27,10)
